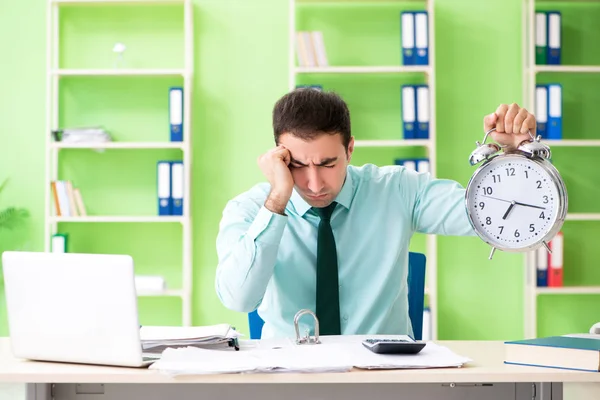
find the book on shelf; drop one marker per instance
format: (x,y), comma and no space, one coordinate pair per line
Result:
(548,37)
(420,165)
(576,351)
(414,32)
(549,266)
(415,113)
(310,49)
(59,243)
(548,107)
(68,201)
(170,185)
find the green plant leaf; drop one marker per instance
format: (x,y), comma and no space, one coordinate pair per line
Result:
(12,217)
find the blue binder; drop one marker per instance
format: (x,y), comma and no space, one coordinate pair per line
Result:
(554,111)
(176,113)
(541,110)
(177,182)
(541,266)
(409,111)
(163,185)
(407,22)
(422,38)
(554,37)
(422,102)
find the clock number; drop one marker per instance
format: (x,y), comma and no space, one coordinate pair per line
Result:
(510,171)
(531,228)
(545,199)
(526,174)
(517,234)
(501,229)
(496,178)
(481,205)
(488,220)
(542,216)
(487,190)
(539,184)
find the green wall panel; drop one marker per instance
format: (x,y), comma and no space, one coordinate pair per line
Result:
(241,55)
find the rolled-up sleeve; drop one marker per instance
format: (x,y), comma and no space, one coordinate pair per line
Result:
(438,205)
(247,246)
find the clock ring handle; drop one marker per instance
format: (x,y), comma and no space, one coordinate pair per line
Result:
(493,129)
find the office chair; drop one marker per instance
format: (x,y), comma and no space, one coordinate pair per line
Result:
(416,298)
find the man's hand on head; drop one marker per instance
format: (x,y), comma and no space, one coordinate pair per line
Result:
(274,164)
(513,124)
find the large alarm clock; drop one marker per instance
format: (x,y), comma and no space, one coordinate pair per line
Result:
(516,200)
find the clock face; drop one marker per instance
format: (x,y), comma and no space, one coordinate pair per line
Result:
(513,202)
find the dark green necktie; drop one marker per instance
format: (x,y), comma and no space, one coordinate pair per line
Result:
(328,303)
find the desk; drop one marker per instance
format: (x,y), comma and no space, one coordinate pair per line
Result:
(486,378)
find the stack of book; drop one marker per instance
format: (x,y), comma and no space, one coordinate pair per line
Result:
(578,352)
(67,199)
(310,49)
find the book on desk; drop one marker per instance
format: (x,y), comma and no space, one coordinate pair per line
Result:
(577,352)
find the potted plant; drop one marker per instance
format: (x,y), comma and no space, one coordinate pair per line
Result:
(11,217)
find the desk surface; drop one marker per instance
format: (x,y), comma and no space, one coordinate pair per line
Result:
(487,366)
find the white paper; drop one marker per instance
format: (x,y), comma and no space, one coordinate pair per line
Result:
(332,355)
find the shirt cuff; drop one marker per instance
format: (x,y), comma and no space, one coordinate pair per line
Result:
(267,227)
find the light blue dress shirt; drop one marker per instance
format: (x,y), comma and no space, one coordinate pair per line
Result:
(268,261)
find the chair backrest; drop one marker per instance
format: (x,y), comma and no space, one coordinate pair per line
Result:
(416,298)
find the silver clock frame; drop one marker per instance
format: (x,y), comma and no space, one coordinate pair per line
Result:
(532,152)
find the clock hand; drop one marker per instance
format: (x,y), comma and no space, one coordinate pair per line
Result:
(530,205)
(512,204)
(495,198)
(516,202)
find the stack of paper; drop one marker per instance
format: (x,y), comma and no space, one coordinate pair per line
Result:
(330,356)
(158,338)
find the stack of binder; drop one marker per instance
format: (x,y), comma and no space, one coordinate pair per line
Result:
(415,111)
(548,110)
(549,267)
(415,37)
(548,37)
(414,164)
(170,185)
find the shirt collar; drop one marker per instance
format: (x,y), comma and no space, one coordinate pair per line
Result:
(344,197)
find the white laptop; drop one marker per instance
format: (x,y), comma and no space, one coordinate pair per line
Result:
(70,307)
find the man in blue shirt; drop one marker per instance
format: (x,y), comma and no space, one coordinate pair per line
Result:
(330,237)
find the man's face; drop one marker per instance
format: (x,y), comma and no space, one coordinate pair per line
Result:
(318,166)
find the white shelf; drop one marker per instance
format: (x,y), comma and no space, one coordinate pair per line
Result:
(393,143)
(583,217)
(363,70)
(428,70)
(571,142)
(118,218)
(182,75)
(567,68)
(98,2)
(531,77)
(358,1)
(569,290)
(120,145)
(171,293)
(120,72)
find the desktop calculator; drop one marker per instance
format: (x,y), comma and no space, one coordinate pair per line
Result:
(393,346)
